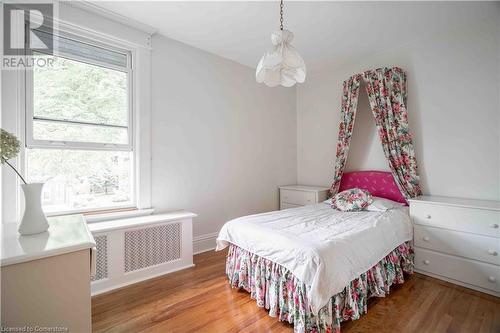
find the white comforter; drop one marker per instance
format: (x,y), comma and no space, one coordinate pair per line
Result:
(324,248)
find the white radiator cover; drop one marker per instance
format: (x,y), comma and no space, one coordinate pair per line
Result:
(140,248)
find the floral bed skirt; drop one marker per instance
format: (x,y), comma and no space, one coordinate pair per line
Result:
(278,290)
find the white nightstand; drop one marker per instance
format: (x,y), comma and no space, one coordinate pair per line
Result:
(300,195)
(458,240)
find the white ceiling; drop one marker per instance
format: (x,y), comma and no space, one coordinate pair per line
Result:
(325,32)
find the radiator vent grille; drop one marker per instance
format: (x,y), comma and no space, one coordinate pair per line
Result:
(152,246)
(101,258)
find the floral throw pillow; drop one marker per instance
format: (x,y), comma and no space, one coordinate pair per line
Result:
(352,200)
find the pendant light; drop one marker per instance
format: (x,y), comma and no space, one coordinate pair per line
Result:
(283,65)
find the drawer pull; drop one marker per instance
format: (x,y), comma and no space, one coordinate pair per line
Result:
(426,238)
(427,262)
(494,225)
(491,279)
(428,216)
(493,252)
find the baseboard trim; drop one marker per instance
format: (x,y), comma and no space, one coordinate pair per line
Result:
(204,243)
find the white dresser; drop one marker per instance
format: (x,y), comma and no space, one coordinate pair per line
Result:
(46,277)
(292,196)
(458,240)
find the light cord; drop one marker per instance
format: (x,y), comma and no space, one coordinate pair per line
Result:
(281,15)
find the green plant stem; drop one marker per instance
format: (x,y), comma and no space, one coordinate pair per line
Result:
(14,170)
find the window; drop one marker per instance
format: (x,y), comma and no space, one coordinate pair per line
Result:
(79,133)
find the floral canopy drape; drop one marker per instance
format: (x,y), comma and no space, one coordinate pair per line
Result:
(386,89)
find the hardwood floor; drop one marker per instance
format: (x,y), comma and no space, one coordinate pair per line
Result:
(199,299)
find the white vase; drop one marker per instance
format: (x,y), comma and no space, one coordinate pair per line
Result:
(34,220)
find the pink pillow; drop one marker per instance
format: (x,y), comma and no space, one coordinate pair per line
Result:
(352,200)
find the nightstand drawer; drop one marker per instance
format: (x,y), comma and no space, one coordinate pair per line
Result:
(479,221)
(297,197)
(472,272)
(458,243)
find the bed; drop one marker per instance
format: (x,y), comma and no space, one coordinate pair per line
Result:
(314,266)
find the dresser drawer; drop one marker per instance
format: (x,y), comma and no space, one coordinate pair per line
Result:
(479,221)
(297,197)
(458,243)
(476,273)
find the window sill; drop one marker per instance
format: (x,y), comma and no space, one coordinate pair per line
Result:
(118,215)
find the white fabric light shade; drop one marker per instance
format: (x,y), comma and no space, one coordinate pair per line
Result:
(283,65)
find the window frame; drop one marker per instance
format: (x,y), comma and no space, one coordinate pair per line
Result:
(31,142)
(130,146)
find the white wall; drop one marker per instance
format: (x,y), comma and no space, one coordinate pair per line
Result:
(221,142)
(453,105)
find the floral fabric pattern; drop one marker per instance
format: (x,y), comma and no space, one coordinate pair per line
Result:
(352,200)
(386,89)
(347,117)
(278,290)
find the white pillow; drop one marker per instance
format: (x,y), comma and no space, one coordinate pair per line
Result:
(381,205)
